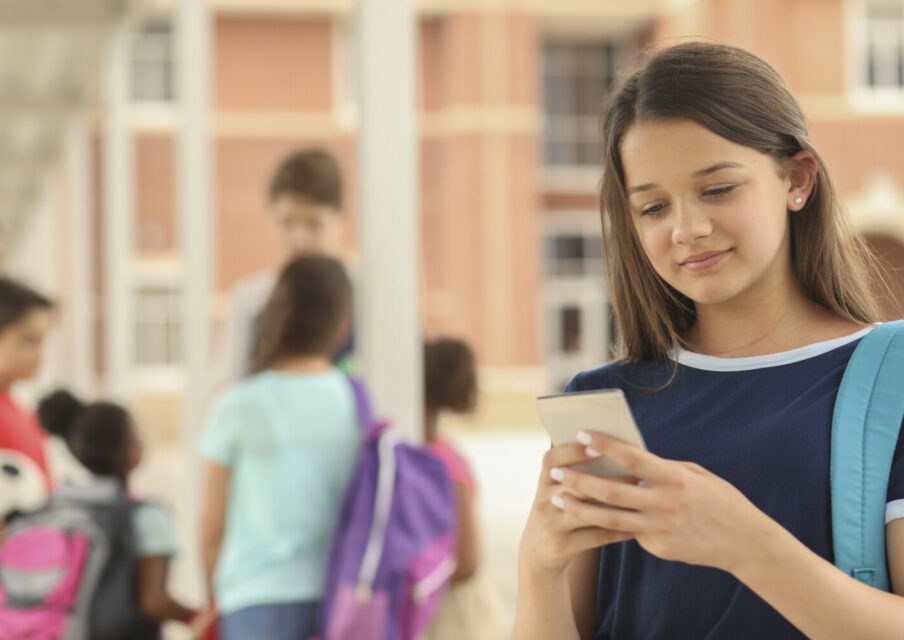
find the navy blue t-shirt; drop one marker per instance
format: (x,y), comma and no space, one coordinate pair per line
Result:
(764,425)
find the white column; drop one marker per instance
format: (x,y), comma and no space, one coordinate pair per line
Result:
(388,329)
(35,259)
(80,305)
(194,208)
(119,223)
(195,200)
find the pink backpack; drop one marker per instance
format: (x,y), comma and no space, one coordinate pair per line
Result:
(66,571)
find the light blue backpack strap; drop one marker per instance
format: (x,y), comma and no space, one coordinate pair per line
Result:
(865,427)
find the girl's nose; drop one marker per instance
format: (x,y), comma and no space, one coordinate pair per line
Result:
(690,225)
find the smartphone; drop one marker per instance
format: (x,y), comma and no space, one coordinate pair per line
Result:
(605,411)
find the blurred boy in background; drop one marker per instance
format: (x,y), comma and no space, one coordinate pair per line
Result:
(305,201)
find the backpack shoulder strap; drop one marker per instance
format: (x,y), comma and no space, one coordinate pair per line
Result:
(867,419)
(363,406)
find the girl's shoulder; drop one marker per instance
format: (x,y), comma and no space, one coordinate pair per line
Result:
(620,374)
(154,529)
(456,464)
(253,387)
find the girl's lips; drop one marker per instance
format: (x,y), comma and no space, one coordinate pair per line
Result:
(705,261)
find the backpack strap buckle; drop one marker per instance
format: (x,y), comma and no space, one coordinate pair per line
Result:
(866,575)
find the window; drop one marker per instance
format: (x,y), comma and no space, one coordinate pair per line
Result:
(346,88)
(883,51)
(577,316)
(157,326)
(575,77)
(570,329)
(152,63)
(574,254)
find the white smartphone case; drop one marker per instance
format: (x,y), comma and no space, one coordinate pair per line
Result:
(605,411)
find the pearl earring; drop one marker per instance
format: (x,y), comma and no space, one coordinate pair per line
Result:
(798,201)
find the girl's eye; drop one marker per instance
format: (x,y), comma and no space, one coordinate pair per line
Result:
(720,191)
(653,210)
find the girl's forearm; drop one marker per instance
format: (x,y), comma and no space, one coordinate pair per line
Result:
(209,556)
(154,600)
(815,596)
(544,607)
(163,607)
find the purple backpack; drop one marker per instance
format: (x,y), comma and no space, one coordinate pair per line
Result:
(394,543)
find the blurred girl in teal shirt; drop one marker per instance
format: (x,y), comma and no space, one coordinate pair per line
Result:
(278,450)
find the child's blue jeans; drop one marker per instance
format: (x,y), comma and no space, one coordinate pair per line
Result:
(286,621)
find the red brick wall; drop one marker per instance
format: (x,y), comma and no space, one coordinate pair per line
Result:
(273,63)
(155,193)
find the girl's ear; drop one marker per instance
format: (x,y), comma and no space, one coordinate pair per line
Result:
(132,456)
(801,170)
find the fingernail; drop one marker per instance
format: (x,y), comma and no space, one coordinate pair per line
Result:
(557,474)
(643,483)
(558,502)
(592,453)
(584,437)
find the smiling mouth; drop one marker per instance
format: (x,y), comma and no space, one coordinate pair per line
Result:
(703,261)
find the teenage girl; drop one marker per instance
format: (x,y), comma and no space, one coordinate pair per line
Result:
(279,449)
(103,438)
(740,293)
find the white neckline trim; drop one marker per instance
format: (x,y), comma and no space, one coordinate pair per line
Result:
(714,363)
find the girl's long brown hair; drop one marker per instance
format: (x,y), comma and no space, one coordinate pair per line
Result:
(306,312)
(738,96)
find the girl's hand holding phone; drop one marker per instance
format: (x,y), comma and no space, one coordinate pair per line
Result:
(551,538)
(679,511)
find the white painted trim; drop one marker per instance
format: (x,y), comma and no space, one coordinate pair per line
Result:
(346,110)
(119,219)
(601,9)
(80,307)
(572,179)
(158,270)
(863,99)
(853,15)
(469,119)
(282,7)
(513,379)
(159,379)
(594,10)
(161,117)
(280,124)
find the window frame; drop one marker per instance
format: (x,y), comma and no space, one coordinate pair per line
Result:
(620,45)
(586,290)
(345,73)
(165,63)
(164,375)
(862,96)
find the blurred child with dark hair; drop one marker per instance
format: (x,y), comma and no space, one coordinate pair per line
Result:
(471,606)
(104,438)
(25,319)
